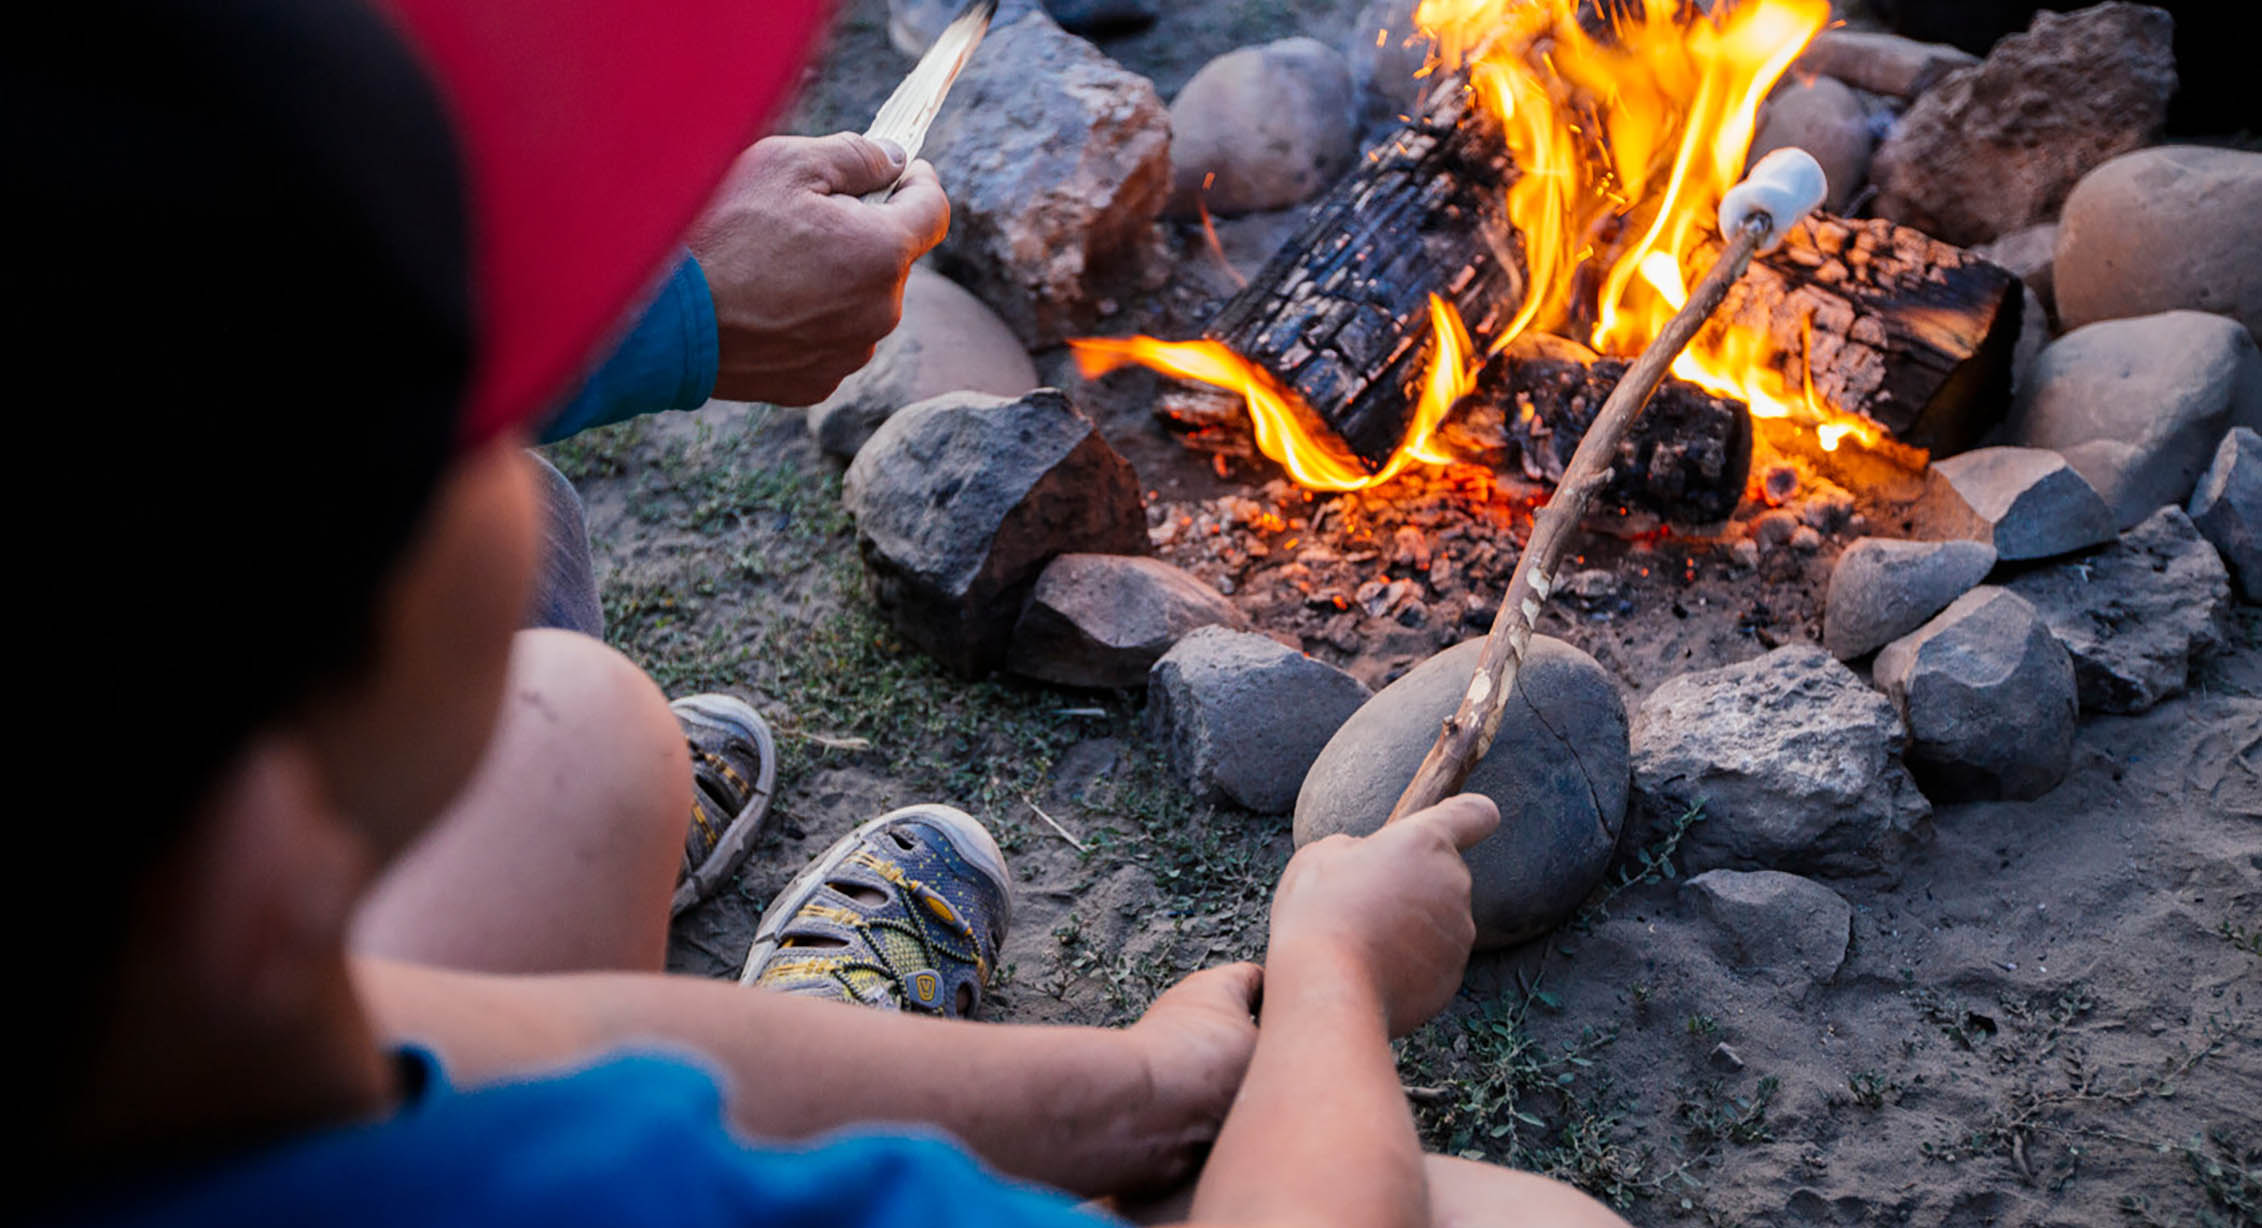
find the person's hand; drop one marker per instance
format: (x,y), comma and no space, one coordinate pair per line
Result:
(1393,907)
(806,277)
(1196,1040)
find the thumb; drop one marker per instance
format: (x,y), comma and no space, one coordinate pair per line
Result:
(1466,818)
(850,165)
(1234,986)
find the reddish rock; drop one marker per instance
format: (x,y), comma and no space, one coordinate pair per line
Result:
(1997,146)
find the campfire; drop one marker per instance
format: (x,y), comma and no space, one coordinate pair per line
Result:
(1465,296)
(1825,653)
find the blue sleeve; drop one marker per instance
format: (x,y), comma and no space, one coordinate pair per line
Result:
(667,361)
(633,1143)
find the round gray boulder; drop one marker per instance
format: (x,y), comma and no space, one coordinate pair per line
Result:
(1558,771)
(1882,63)
(2138,406)
(948,342)
(1263,127)
(2163,229)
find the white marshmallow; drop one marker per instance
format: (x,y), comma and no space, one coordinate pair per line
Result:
(1785,186)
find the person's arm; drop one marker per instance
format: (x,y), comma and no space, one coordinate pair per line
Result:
(791,282)
(667,360)
(1089,1110)
(1369,939)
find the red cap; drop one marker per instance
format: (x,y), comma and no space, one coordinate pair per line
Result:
(592,132)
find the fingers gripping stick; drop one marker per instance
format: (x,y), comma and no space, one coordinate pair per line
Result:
(1783,188)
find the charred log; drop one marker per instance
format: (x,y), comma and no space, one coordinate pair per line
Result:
(1687,458)
(1912,333)
(1340,315)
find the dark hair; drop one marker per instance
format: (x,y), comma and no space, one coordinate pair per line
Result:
(240,283)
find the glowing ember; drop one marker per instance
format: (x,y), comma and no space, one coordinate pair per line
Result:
(1626,132)
(1314,459)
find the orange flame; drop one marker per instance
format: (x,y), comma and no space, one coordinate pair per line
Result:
(1315,460)
(1625,138)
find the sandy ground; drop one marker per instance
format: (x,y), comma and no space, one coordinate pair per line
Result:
(2054,1017)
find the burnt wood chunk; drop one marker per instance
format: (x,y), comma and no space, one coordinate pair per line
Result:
(1340,315)
(1912,333)
(1687,458)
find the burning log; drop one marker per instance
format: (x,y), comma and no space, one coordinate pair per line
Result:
(1340,315)
(1914,334)
(1911,333)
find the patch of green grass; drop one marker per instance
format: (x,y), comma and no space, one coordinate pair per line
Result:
(1651,863)
(1127,983)
(1205,859)
(1503,1094)
(849,686)
(664,627)
(1872,1089)
(1712,1114)
(602,453)
(719,479)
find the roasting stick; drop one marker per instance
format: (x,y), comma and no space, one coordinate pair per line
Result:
(907,114)
(1781,189)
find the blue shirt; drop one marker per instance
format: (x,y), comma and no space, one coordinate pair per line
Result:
(667,360)
(636,1141)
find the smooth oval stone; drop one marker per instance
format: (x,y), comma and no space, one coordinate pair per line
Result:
(1559,771)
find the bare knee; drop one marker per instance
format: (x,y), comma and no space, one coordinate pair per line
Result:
(576,708)
(562,852)
(1467,1194)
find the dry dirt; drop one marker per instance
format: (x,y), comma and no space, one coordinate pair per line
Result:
(2053,1018)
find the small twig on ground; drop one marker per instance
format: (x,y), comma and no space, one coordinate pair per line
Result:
(1054,823)
(835,741)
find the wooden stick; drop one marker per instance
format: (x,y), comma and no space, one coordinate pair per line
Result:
(1468,733)
(1054,823)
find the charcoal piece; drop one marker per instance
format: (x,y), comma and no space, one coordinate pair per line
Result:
(1686,459)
